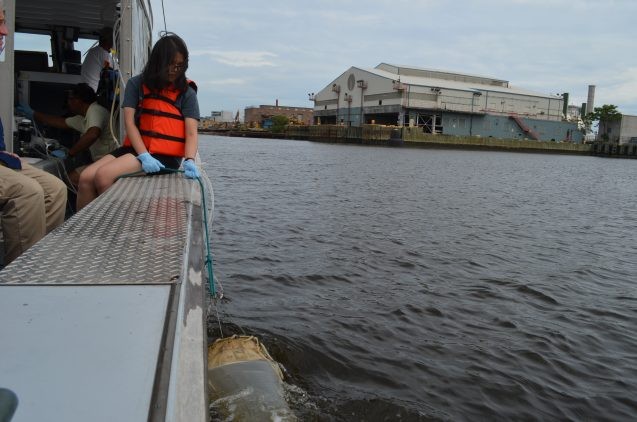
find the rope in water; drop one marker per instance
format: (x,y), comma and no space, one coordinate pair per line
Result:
(208,262)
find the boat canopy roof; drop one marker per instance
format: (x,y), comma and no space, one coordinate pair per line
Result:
(87,17)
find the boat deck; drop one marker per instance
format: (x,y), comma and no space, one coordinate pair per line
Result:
(104,319)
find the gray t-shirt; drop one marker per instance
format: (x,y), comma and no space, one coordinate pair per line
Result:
(189,103)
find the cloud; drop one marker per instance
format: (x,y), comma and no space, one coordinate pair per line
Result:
(291,48)
(338,17)
(620,90)
(240,58)
(225,82)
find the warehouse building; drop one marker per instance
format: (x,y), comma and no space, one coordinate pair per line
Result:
(262,115)
(442,102)
(218,119)
(620,131)
(223,116)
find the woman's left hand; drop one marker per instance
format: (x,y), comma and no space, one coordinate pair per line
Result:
(190,169)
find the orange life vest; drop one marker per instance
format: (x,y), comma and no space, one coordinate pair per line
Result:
(160,122)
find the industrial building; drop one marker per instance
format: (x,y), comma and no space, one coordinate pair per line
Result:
(218,120)
(223,116)
(621,131)
(261,116)
(442,102)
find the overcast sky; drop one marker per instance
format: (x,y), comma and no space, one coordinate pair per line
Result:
(253,52)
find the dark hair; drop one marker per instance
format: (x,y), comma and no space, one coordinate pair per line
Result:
(155,74)
(106,35)
(84,93)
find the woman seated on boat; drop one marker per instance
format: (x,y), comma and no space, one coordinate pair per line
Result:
(160,116)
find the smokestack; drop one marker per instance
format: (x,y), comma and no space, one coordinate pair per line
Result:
(590,104)
(565,105)
(277,101)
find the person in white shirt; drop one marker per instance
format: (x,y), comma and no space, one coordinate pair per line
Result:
(96,57)
(90,119)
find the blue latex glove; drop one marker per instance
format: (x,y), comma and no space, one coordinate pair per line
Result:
(190,170)
(59,153)
(25,110)
(149,163)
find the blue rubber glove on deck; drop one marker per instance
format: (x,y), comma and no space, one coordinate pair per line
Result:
(149,163)
(25,110)
(59,153)
(190,170)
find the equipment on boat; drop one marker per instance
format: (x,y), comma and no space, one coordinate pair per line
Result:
(244,382)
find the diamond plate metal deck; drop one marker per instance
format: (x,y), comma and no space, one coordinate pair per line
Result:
(135,233)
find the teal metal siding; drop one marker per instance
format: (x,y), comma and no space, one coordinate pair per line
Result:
(506,128)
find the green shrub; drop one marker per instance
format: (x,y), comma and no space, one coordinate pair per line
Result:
(279,123)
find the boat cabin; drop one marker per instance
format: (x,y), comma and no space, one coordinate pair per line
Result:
(45,48)
(104,318)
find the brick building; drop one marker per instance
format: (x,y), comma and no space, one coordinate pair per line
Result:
(261,116)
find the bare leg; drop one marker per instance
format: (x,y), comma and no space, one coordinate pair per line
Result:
(86,190)
(108,173)
(74,176)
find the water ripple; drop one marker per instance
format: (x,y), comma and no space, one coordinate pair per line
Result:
(397,284)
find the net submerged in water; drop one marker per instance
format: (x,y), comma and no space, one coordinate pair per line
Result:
(244,382)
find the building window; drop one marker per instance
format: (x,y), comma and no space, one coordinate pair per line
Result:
(380,102)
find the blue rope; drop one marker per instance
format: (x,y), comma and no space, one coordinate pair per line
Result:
(208,261)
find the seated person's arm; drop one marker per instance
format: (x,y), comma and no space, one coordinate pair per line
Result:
(86,140)
(132,131)
(49,120)
(191,137)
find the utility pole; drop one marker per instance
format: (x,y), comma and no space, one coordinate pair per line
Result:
(473,98)
(363,86)
(337,88)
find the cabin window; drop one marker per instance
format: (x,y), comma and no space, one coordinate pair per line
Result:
(42,43)
(34,43)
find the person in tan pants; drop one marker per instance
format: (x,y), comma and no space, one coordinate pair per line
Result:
(32,203)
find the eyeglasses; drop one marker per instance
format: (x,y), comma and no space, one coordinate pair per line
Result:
(177,67)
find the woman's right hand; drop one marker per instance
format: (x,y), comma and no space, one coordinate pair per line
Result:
(149,163)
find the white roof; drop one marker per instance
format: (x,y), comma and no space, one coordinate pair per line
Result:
(399,67)
(457,85)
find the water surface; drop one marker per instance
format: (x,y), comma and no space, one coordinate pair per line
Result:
(411,284)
